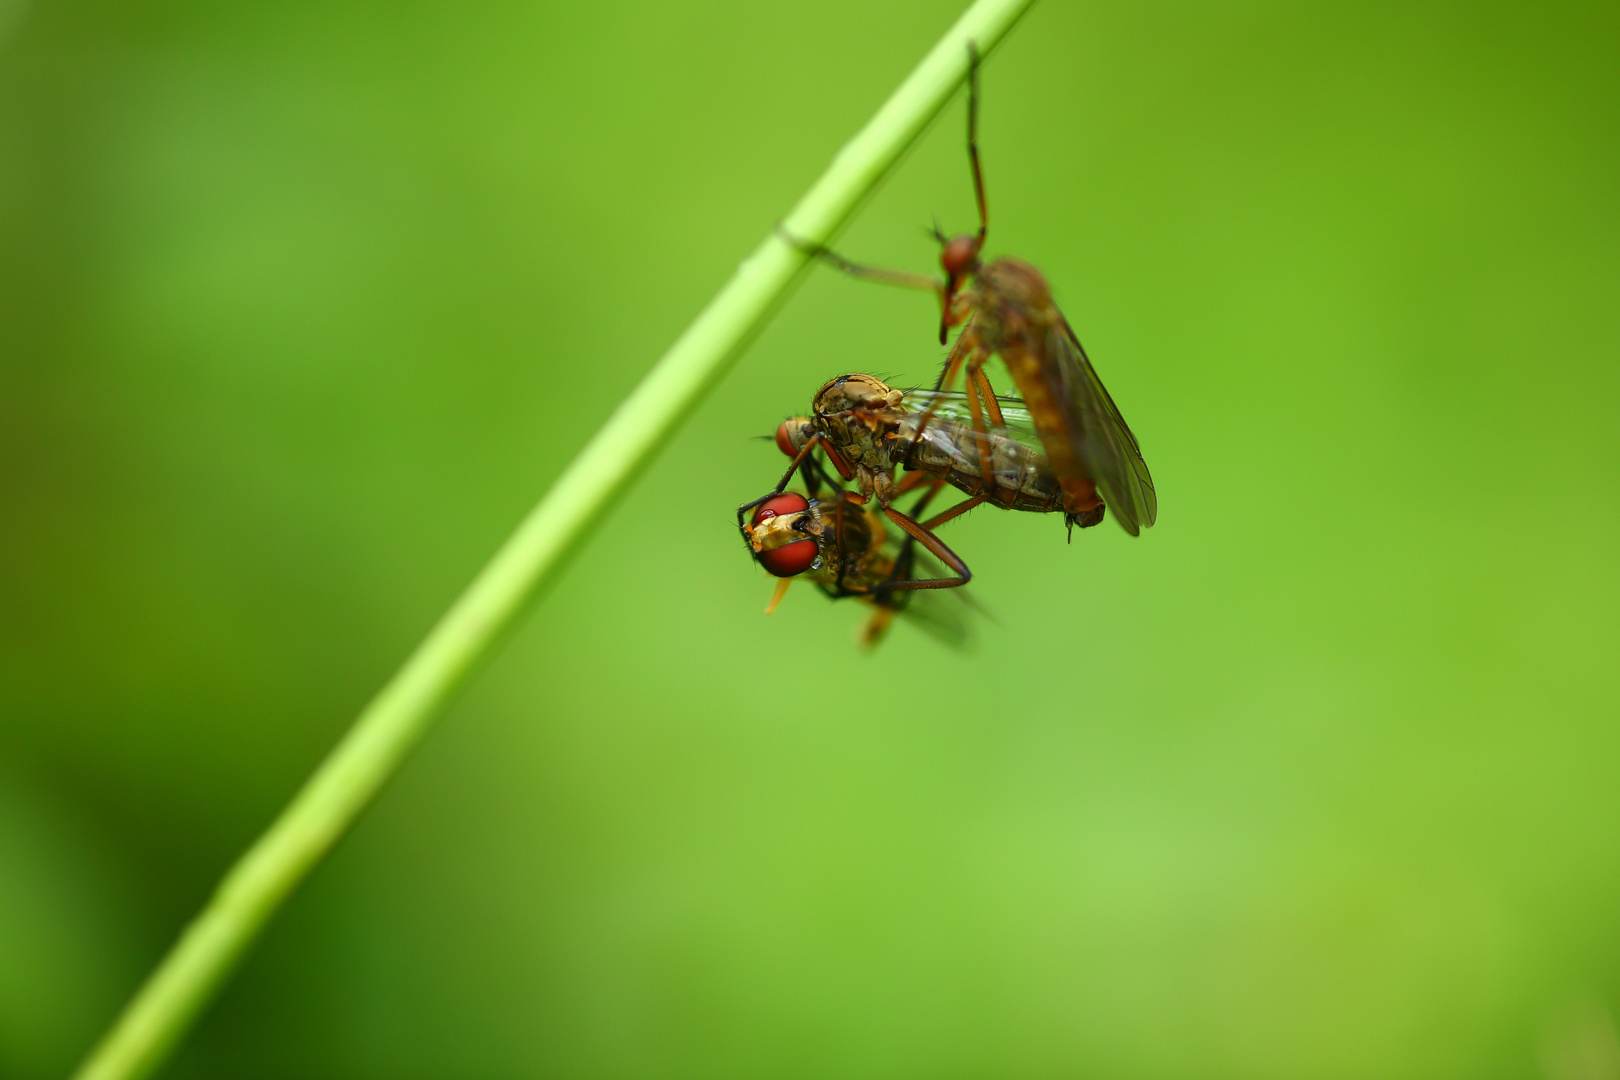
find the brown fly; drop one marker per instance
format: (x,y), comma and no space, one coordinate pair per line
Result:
(857,451)
(837,539)
(1005,309)
(871,433)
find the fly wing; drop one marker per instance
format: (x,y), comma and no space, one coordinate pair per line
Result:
(1105,443)
(952,405)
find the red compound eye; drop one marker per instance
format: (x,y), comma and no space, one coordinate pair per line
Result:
(784,436)
(791,560)
(786,503)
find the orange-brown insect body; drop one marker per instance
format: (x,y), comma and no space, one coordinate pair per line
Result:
(1009,313)
(1005,309)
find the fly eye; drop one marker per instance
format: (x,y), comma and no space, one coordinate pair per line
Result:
(791,435)
(959,256)
(790,559)
(786,503)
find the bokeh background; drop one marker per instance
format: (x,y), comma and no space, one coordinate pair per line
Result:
(302,305)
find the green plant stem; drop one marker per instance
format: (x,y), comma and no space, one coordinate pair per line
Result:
(396,719)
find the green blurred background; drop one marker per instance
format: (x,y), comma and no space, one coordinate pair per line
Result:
(304,304)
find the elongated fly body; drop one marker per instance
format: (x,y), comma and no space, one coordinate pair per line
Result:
(1005,309)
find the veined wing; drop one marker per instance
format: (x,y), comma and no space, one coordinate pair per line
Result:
(1104,442)
(952,406)
(1020,474)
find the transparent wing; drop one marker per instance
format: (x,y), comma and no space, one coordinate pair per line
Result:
(952,406)
(1105,442)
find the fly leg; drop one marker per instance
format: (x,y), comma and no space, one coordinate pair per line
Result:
(906,279)
(992,407)
(978,385)
(936,547)
(886,600)
(973,139)
(815,477)
(812,471)
(798,463)
(953,365)
(911,481)
(903,562)
(967,343)
(901,570)
(956,511)
(899,580)
(968,353)
(892,595)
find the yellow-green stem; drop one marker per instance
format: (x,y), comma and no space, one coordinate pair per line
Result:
(386,730)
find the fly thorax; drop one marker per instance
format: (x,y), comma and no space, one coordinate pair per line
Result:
(855,392)
(1016,282)
(859,436)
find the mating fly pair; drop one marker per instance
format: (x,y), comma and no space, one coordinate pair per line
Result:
(869,432)
(1080,458)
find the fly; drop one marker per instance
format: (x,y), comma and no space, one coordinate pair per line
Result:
(1005,309)
(837,539)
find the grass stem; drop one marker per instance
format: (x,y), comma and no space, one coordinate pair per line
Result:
(395,720)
